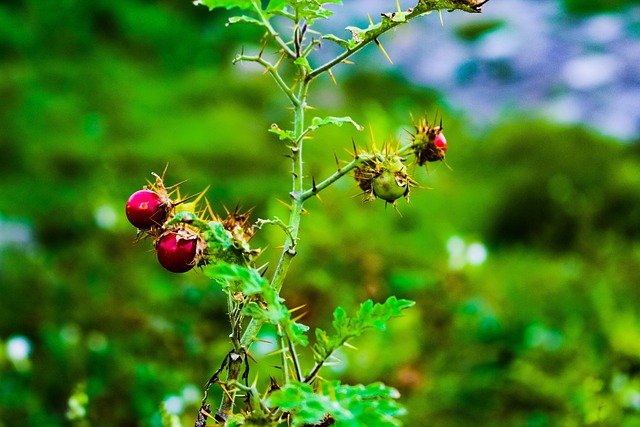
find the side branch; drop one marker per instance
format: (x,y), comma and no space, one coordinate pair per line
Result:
(333,178)
(271,69)
(272,32)
(361,38)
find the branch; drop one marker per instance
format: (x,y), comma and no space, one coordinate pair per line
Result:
(316,188)
(392,20)
(271,69)
(272,32)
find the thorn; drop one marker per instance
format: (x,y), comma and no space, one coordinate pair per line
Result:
(332,76)
(370,21)
(441,21)
(279,61)
(373,141)
(313,184)
(398,4)
(351,346)
(295,319)
(383,51)
(174,185)
(284,203)
(335,156)
(206,414)
(297,308)
(355,149)
(186,199)
(201,194)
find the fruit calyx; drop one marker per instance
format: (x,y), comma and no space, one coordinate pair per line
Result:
(428,142)
(384,176)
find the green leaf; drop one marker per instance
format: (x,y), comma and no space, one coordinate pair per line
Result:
(246,19)
(303,61)
(369,315)
(307,407)
(317,122)
(311,9)
(344,43)
(227,4)
(373,405)
(263,303)
(282,134)
(247,280)
(216,235)
(276,6)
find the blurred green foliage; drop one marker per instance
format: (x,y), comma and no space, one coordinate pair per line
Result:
(96,95)
(592,7)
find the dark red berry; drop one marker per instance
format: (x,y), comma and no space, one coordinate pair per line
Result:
(146,209)
(176,253)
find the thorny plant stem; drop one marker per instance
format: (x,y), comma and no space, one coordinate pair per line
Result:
(272,32)
(242,340)
(393,20)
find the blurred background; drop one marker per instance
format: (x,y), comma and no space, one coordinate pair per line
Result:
(523,256)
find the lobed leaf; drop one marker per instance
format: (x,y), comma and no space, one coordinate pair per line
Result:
(248,279)
(227,4)
(264,303)
(246,19)
(282,134)
(373,405)
(369,315)
(317,122)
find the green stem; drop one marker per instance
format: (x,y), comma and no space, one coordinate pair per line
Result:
(297,172)
(392,20)
(272,32)
(273,71)
(333,178)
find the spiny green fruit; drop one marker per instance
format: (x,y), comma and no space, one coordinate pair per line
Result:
(392,182)
(390,186)
(384,176)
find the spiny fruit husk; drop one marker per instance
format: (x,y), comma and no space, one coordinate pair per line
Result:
(385,177)
(237,223)
(423,142)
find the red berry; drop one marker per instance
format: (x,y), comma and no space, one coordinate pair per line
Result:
(441,142)
(145,209)
(176,253)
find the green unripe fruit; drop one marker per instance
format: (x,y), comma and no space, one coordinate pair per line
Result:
(390,186)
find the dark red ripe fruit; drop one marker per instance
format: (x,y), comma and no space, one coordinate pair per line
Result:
(177,254)
(441,142)
(145,209)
